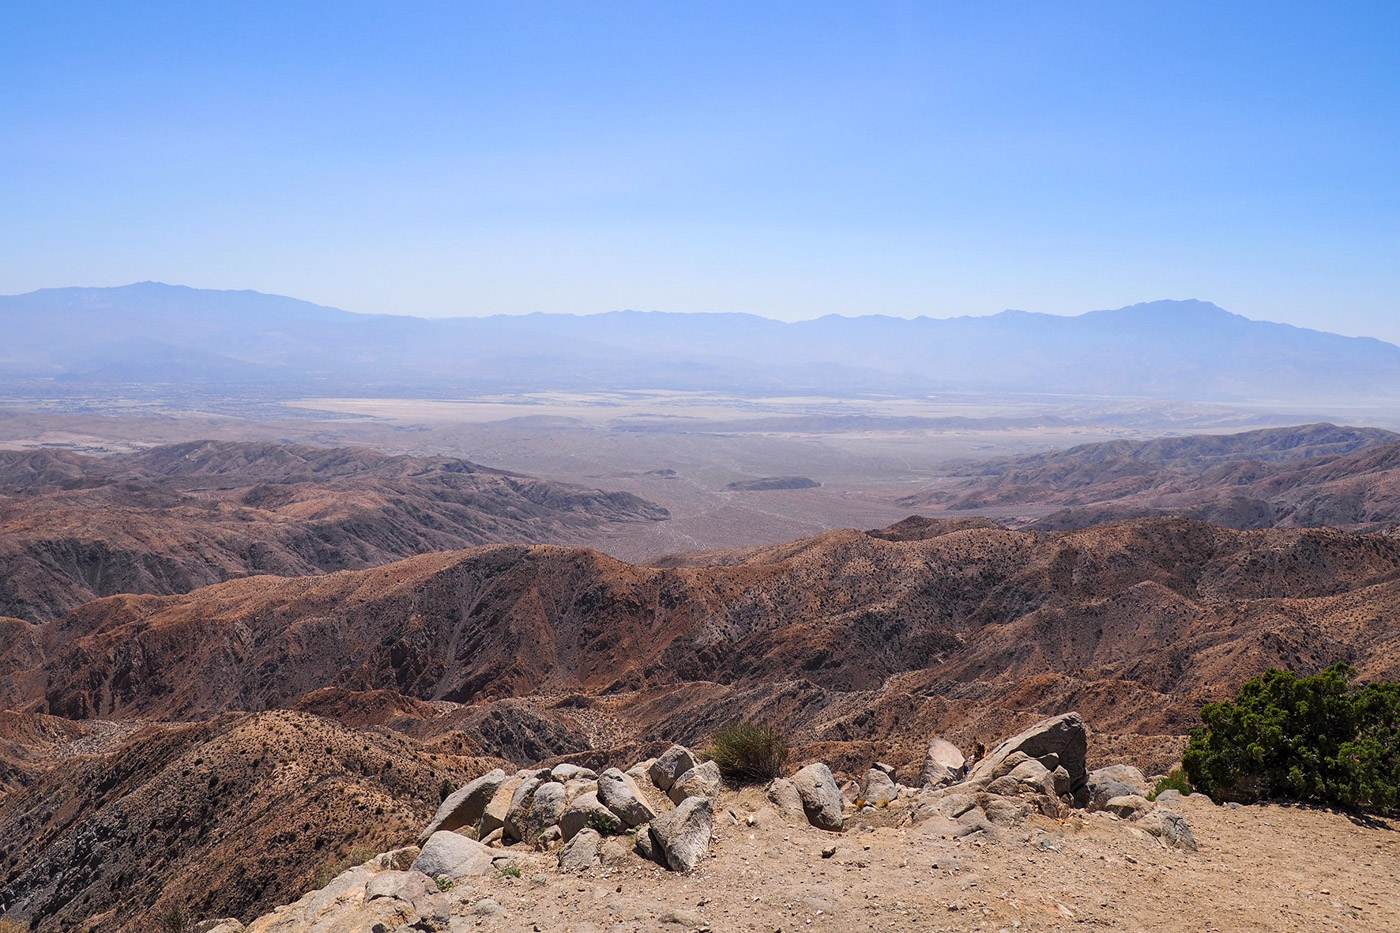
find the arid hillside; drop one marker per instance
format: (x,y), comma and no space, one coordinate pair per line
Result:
(1135,623)
(1299,477)
(172,519)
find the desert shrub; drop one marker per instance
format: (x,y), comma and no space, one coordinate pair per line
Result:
(1176,780)
(174,920)
(357,855)
(604,824)
(1315,739)
(444,883)
(9,926)
(750,752)
(510,871)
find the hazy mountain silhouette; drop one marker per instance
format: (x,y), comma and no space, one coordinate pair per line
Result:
(154,333)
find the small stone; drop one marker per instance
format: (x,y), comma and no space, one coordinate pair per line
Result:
(828,852)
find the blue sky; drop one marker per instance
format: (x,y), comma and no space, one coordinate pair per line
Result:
(786,159)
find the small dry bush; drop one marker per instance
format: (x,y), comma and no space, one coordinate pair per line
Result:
(750,752)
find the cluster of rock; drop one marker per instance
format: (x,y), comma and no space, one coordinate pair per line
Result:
(1042,770)
(663,810)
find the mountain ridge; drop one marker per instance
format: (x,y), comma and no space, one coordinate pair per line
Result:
(148,333)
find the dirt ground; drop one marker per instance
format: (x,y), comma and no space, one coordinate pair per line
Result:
(1258,868)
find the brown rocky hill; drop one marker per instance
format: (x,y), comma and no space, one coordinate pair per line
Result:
(228,816)
(172,519)
(1137,622)
(1299,477)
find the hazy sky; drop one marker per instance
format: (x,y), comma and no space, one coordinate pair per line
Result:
(786,159)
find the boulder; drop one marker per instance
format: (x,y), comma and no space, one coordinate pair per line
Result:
(942,764)
(584,811)
(620,794)
(1096,794)
(396,859)
(579,786)
(646,845)
(1006,811)
(517,824)
(565,772)
(821,798)
(639,772)
(880,788)
(551,836)
(1127,806)
(494,816)
(407,886)
(672,763)
(580,852)
(1123,774)
(683,835)
(465,806)
(955,805)
(1063,736)
(1170,827)
(224,925)
(784,795)
(703,780)
(886,768)
(454,856)
(546,807)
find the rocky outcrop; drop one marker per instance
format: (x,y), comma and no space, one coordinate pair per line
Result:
(1061,741)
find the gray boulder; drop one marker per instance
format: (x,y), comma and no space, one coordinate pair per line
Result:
(583,811)
(879,788)
(407,886)
(672,763)
(580,852)
(546,807)
(821,798)
(784,795)
(465,807)
(451,855)
(1127,806)
(683,835)
(517,824)
(942,764)
(703,780)
(565,772)
(1170,827)
(498,807)
(620,794)
(646,845)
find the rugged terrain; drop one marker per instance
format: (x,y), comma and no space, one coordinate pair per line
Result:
(186,730)
(1298,477)
(174,518)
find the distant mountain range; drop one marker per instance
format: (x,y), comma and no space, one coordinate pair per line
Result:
(151,333)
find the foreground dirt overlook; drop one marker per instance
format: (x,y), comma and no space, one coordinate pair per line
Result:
(327,714)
